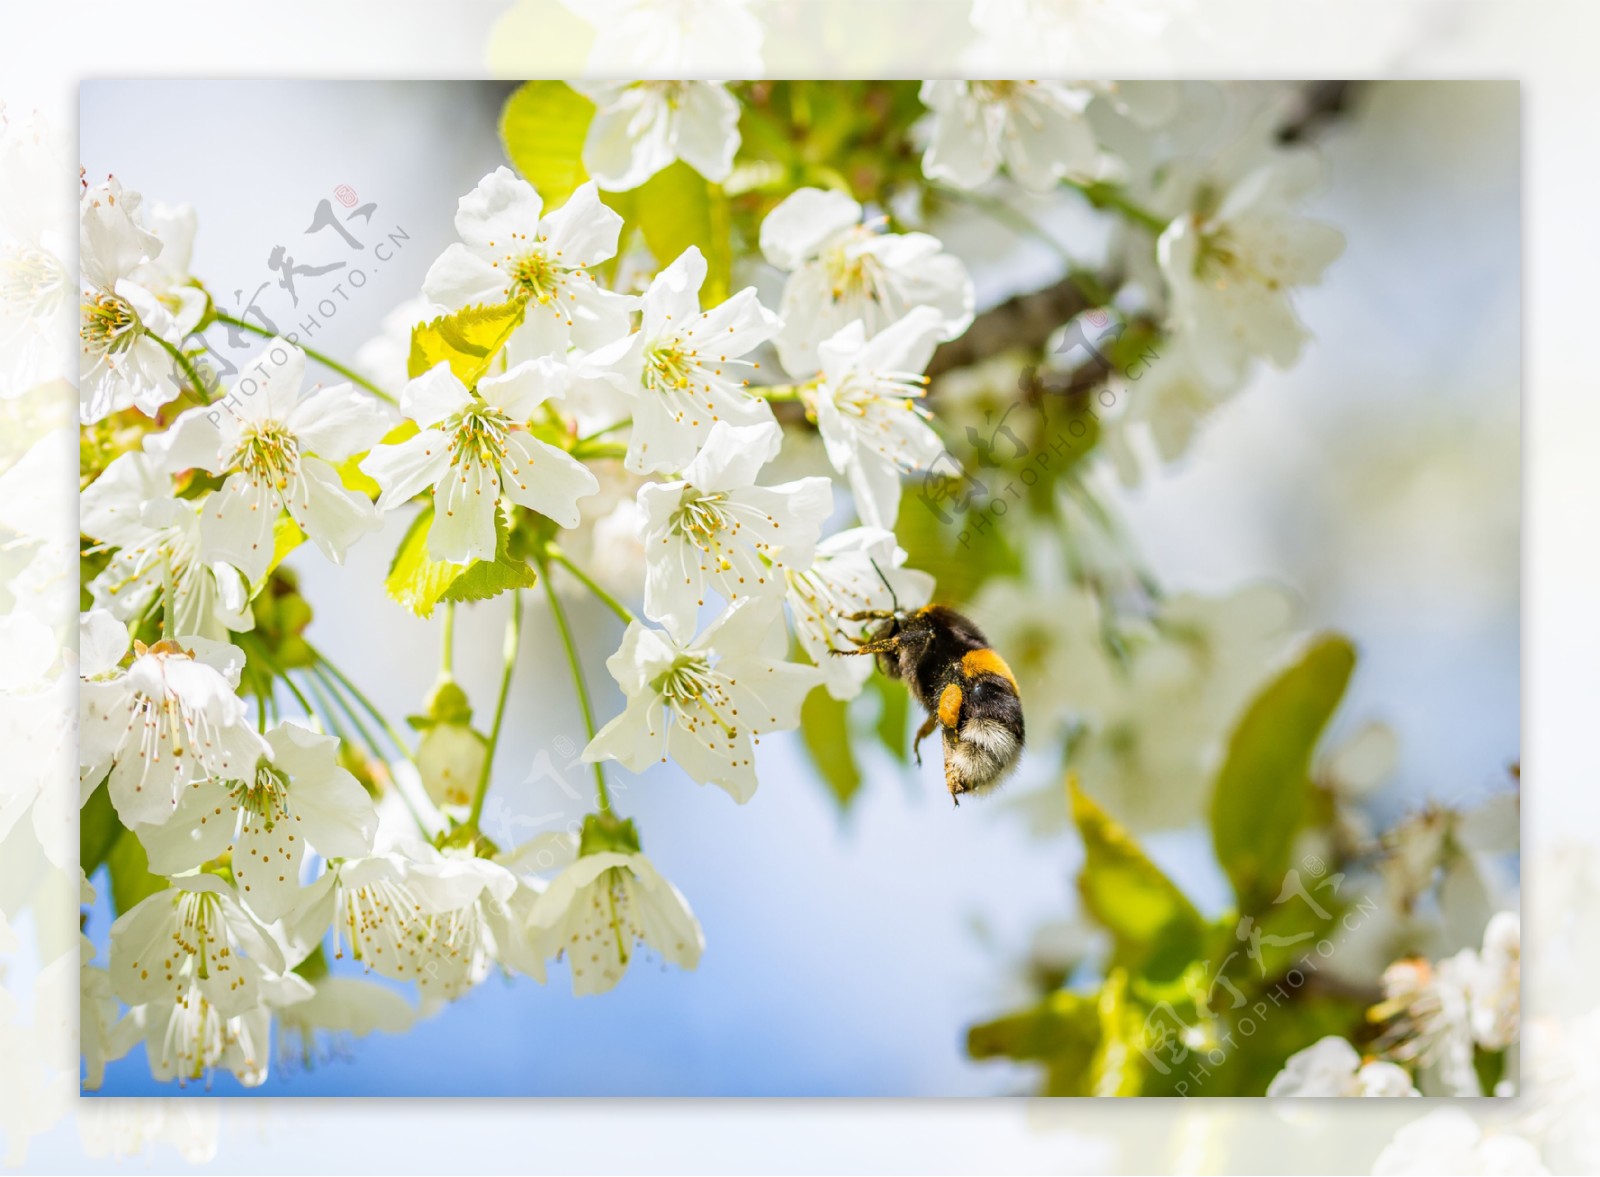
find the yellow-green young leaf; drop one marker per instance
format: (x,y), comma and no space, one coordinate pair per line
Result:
(1062,1032)
(286,537)
(677,208)
(419,583)
(825,727)
(131,880)
(355,478)
(543,127)
(1118,1064)
(467,340)
(1155,930)
(1260,796)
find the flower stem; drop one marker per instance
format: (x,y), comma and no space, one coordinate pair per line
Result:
(588,582)
(324,360)
(602,797)
(599,433)
(190,373)
(354,692)
(1110,196)
(447,640)
(512,644)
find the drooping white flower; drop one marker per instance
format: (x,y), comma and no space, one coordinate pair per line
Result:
(679,368)
(716,529)
(855,571)
(1448,1140)
(511,251)
(410,913)
(1038,130)
(1232,261)
(610,900)
(475,450)
(841,269)
(297,800)
(702,703)
(641,127)
(671,38)
(1331,1067)
(122,324)
(187,1036)
(451,753)
(158,543)
(867,408)
(278,449)
(193,937)
(169,719)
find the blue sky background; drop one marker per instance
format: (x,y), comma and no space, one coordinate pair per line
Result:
(847,956)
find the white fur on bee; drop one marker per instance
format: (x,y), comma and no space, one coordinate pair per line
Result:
(985,753)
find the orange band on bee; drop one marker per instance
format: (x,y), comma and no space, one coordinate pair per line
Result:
(950,705)
(986,661)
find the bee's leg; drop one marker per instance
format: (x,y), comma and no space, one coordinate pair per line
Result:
(869,615)
(923,733)
(952,778)
(882,646)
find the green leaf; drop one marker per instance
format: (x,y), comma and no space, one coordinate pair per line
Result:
(825,727)
(677,208)
(1062,1032)
(468,340)
(131,880)
(1261,792)
(419,583)
(543,126)
(1154,928)
(98,829)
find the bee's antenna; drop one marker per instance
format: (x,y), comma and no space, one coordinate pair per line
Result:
(895,600)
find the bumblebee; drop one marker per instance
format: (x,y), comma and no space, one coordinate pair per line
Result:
(967,689)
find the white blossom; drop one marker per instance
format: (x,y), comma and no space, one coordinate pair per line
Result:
(868,409)
(599,909)
(1331,1067)
(122,325)
(641,127)
(169,719)
(159,545)
(511,250)
(678,369)
(1232,261)
(410,913)
(193,938)
(1038,130)
(299,799)
(854,571)
(842,269)
(702,704)
(476,451)
(716,529)
(278,449)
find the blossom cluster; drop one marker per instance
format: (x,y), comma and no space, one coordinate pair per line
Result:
(560,402)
